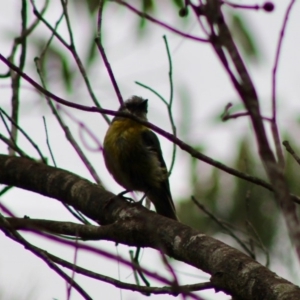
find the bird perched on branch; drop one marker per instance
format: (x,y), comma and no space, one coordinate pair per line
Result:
(133,156)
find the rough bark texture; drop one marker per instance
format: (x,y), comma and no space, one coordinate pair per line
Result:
(131,224)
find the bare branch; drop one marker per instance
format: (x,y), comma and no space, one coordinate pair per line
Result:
(153,20)
(291,151)
(247,92)
(136,224)
(274,126)
(5,227)
(160,131)
(99,44)
(73,51)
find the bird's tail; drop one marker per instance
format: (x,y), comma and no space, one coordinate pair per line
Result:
(163,202)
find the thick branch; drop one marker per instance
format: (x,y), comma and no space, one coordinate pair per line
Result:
(232,271)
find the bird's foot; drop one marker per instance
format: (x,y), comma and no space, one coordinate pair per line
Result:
(126,198)
(140,202)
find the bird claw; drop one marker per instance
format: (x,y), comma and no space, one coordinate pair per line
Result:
(142,199)
(130,200)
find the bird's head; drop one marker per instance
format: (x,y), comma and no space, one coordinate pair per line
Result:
(136,106)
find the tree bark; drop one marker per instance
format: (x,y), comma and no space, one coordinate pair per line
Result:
(232,271)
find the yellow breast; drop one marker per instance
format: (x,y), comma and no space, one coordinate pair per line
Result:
(122,151)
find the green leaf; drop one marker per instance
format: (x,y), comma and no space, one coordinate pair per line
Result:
(92,53)
(147,6)
(243,35)
(90,5)
(178,3)
(67,73)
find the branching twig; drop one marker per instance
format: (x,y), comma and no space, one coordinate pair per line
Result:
(267,6)
(291,151)
(25,135)
(11,233)
(85,230)
(70,138)
(274,126)
(170,103)
(137,268)
(155,21)
(133,287)
(66,130)
(83,128)
(229,231)
(160,131)
(133,225)
(15,77)
(74,53)
(222,39)
(12,145)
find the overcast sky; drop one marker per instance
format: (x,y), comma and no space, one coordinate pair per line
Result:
(197,74)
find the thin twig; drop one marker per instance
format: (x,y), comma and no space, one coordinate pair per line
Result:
(12,145)
(30,140)
(48,142)
(243,6)
(171,270)
(221,38)
(291,151)
(69,289)
(23,35)
(234,116)
(78,215)
(101,252)
(47,45)
(15,77)
(169,106)
(229,231)
(34,24)
(170,118)
(64,4)
(155,21)
(13,234)
(75,55)
(248,222)
(160,131)
(260,244)
(129,286)
(7,129)
(274,126)
(67,132)
(83,128)
(137,268)
(99,44)
(5,209)
(5,189)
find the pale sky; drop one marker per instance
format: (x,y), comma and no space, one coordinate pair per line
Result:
(197,72)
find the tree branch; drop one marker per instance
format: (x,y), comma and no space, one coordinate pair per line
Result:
(233,271)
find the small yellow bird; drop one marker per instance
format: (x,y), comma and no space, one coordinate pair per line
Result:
(133,156)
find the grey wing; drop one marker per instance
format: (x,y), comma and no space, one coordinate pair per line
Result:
(151,141)
(161,195)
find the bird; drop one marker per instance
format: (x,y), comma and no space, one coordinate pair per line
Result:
(133,156)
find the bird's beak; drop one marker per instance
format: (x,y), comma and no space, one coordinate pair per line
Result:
(144,103)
